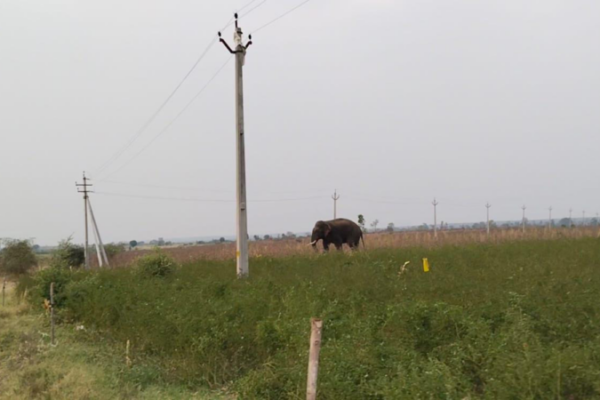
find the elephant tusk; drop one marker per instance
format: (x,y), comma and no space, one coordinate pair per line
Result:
(313,243)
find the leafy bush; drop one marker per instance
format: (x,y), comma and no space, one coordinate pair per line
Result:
(154,265)
(17,257)
(68,255)
(61,278)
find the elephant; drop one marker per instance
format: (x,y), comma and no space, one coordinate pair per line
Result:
(338,232)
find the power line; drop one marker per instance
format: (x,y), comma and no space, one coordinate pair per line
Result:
(172,121)
(247,5)
(281,16)
(383,201)
(253,8)
(190,188)
(164,187)
(149,121)
(198,200)
(230,22)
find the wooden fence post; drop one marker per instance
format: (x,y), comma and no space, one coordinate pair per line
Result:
(313,358)
(52,313)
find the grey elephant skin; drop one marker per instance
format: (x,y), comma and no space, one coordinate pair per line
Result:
(337,232)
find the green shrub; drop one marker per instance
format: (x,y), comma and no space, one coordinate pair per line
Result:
(155,265)
(68,255)
(17,257)
(61,278)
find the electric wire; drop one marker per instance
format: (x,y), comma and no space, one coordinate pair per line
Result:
(247,5)
(253,8)
(155,114)
(383,201)
(164,187)
(171,122)
(198,200)
(228,24)
(281,16)
(190,188)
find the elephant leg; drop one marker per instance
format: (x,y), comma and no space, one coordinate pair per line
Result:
(325,246)
(338,244)
(351,245)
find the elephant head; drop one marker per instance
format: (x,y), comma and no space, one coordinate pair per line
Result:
(321,230)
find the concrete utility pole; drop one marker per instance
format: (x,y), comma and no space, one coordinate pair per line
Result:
(85,192)
(435,203)
(524,208)
(550,218)
(242,217)
(488,205)
(335,198)
(99,245)
(570,217)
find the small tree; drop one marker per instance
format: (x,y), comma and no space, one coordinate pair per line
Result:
(361,222)
(17,257)
(390,227)
(68,254)
(374,225)
(267,237)
(222,240)
(133,244)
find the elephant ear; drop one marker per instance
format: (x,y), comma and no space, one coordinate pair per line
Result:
(327,229)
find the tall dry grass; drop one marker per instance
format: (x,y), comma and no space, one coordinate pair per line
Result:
(282,248)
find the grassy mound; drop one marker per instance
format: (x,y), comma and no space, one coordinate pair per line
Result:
(517,320)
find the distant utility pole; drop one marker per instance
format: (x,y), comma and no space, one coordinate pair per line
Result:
(85,192)
(524,208)
(435,204)
(570,217)
(488,206)
(242,217)
(98,239)
(550,218)
(335,198)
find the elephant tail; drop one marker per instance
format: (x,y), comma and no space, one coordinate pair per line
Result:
(363,241)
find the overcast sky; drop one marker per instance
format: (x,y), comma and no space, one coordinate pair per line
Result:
(391,102)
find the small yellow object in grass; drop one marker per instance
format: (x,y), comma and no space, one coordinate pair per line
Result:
(237,254)
(47,305)
(425,265)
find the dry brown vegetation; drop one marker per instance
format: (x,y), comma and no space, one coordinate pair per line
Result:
(282,248)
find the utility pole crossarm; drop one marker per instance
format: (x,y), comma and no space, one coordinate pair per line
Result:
(238,34)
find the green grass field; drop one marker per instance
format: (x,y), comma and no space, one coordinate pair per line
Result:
(518,320)
(80,366)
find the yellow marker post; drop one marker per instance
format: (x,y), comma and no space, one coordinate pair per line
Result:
(425,265)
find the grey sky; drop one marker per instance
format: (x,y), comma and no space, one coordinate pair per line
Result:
(385,100)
